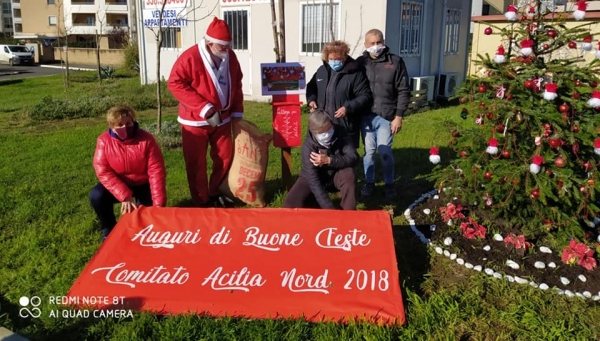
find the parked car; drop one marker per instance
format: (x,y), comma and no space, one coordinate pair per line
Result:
(16,55)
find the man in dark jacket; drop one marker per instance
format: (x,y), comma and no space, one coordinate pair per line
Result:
(340,87)
(328,158)
(389,84)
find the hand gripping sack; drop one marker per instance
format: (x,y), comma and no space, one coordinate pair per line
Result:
(246,177)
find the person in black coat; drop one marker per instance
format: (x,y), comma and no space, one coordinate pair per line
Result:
(340,87)
(328,158)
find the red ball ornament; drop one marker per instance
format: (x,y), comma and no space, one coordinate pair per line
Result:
(551,33)
(515,182)
(575,148)
(463,155)
(575,128)
(576,95)
(582,189)
(481,105)
(547,126)
(509,97)
(482,88)
(489,115)
(560,183)
(593,84)
(587,166)
(455,133)
(578,82)
(545,46)
(463,100)
(563,107)
(505,154)
(554,142)
(529,84)
(500,128)
(572,45)
(560,162)
(549,172)
(487,175)
(535,193)
(487,31)
(490,73)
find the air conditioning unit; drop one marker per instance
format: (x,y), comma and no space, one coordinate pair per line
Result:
(448,83)
(424,83)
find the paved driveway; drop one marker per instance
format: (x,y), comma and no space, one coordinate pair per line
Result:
(19,72)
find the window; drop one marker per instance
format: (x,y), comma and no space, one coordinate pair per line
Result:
(50,2)
(90,21)
(171,38)
(52,20)
(410,28)
(8,23)
(6,8)
(238,24)
(452,30)
(317,23)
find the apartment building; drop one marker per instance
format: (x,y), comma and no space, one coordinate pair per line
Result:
(6,21)
(35,19)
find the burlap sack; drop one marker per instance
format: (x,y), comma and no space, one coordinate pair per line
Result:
(246,178)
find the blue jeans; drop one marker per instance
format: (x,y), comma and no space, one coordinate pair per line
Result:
(377,137)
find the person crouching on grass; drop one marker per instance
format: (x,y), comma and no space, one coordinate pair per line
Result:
(328,158)
(129,164)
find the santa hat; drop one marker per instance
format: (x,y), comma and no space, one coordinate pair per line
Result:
(587,43)
(550,92)
(579,13)
(434,155)
(526,47)
(511,13)
(536,164)
(595,100)
(218,32)
(597,146)
(500,58)
(492,148)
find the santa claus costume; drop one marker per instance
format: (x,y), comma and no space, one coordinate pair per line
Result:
(205,81)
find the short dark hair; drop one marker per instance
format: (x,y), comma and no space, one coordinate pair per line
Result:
(317,120)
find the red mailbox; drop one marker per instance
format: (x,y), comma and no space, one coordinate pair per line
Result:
(287,126)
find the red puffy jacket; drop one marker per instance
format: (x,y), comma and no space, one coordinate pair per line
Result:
(137,161)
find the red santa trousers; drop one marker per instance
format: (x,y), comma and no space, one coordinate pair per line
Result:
(195,142)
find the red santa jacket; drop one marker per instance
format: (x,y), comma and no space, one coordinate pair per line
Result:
(137,161)
(194,82)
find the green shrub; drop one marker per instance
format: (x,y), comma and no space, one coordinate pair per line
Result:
(170,134)
(50,108)
(132,58)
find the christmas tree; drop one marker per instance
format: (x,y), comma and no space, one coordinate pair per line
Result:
(533,155)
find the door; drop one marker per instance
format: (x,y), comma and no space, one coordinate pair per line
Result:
(238,19)
(4,54)
(405,37)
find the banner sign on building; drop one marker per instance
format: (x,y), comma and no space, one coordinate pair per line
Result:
(158,4)
(258,263)
(170,18)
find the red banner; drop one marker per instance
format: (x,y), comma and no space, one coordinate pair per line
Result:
(257,263)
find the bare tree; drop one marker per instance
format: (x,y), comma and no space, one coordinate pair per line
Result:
(101,18)
(331,31)
(62,31)
(158,37)
(275,33)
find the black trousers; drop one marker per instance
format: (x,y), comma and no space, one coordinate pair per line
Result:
(300,195)
(102,201)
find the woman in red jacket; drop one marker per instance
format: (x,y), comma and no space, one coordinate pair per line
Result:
(129,164)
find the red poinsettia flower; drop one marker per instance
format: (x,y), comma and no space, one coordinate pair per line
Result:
(518,242)
(472,229)
(451,211)
(580,254)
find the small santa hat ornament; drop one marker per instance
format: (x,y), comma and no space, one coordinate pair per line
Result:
(597,146)
(492,148)
(550,92)
(536,164)
(526,47)
(598,51)
(218,32)
(511,13)
(595,100)
(579,13)
(434,156)
(587,43)
(499,57)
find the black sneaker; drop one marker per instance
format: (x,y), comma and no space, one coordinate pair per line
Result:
(367,190)
(222,201)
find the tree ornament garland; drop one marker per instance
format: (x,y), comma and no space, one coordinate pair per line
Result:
(434,155)
(499,57)
(536,164)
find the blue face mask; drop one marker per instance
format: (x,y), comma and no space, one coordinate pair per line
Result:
(336,65)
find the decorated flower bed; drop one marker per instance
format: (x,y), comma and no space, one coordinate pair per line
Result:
(457,232)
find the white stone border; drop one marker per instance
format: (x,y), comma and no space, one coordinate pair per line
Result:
(488,271)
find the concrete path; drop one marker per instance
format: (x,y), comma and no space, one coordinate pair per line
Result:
(7,335)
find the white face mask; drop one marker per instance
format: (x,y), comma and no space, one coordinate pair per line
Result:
(324,139)
(376,50)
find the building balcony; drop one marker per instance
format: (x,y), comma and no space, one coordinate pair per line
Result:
(17,20)
(18,28)
(16,5)
(16,13)
(110,29)
(116,8)
(83,2)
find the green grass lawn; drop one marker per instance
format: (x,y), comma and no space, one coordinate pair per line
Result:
(48,233)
